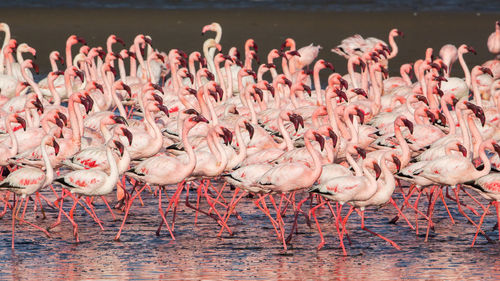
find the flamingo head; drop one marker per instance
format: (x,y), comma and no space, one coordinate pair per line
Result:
(319,138)
(408,124)
(249,128)
(119,119)
(328,65)
(361,152)
(360,92)
(486,70)
(119,146)
(422,99)
(38,104)
(225,134)
(21,121)
(297,120)
(462,149)
(63,118)
(306,88)
(56,146)
(270,88)
(497,148)
(341,94)
(163,108)
(127,134)
(396,161)
(478,111)
(333,136)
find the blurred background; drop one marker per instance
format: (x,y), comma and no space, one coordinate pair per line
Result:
(45,25)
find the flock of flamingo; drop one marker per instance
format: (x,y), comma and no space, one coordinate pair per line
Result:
(168,125)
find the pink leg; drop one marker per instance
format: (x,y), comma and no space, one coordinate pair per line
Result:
(109,208)
(401,213)
(160,209)
(313,213)
(127,210)
(480,223)
(376,234)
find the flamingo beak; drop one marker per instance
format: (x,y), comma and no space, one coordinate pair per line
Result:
(343,83)
(462,149)
(270,65)
(333,136)
(270,88)
(378,171)
(120,147)
(397,162)
(361,115)
(497,148)
(56,147)
(422,99)
(36,68)
(210,75)
(190,111)
(128,135)
(81,40)
(259,93)
(119,120)
(228,136)
(250,129)
(200,118)
(148,40)
(430,116)
(192,91)
(190,76)
(127,89)
(341,94)
(59,123)
(295,122)
(164,109)
(408,124)
(158,98)
(361,92)
(219,90)
(80,75)
(61,59)
(454,101)
(38,104)
(119,40)
(63,118)
(213,94)
(132,54)
(330,66)
(21,121)
(362,64)
(307,89)
(99,87)
(470,49)
(319,138)
(361,152)
(287,82)
(442,118)
(300,120)
(487,71)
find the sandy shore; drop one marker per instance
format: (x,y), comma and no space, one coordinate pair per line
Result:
(47,29)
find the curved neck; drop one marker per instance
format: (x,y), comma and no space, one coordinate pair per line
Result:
(357,169)
(317,167)
(55,95)
(465,132)
(188,169)
(350,70)
(317,85)
(394,47)
(49,171)
(69,57)
(449,118)
(406,154)
(118,102)
(242,153)
(286,136)
(73,119)
(13,138)
(465,68)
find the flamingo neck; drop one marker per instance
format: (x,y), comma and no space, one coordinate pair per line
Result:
(13,139)
(465,68)
(317,167)
(49,171)
(286,136)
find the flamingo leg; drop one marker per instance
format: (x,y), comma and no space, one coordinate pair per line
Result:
(480,223)
(109,208)
(297,210)
(400,212)
(376,234)
(313,213)
(445,205)
(160,209)
(127,210)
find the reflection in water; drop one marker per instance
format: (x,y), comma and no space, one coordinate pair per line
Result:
(252,253)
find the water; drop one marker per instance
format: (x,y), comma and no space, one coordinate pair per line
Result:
(252,253)
(310,5)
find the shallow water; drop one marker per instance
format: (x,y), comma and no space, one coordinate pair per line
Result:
(251,253)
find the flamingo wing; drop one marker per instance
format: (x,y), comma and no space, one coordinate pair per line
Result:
(23,178)
(83,180)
